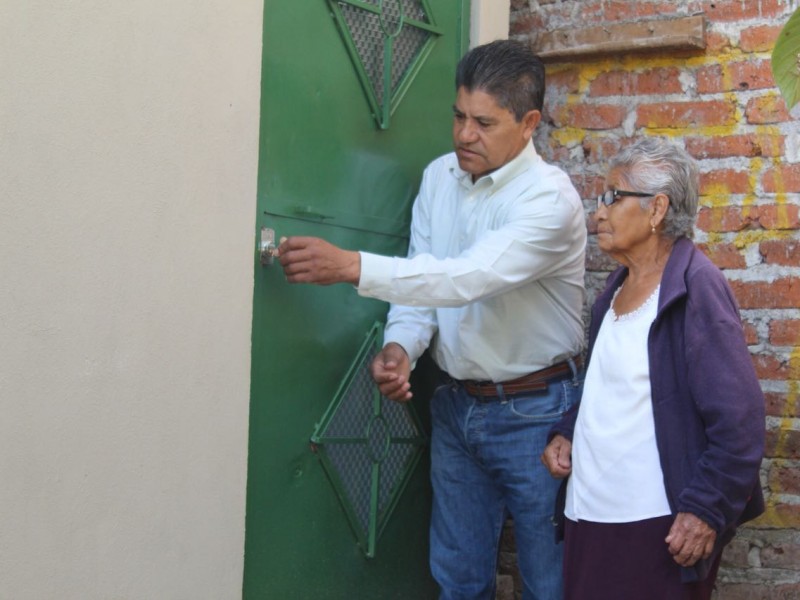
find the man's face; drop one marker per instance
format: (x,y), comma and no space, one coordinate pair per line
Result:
(485,135)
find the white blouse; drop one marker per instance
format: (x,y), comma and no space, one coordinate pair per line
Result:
(616,474)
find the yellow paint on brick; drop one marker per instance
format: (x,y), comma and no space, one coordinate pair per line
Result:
(771,95)
(585,79)
(767,131)
(794,364)
(738,115)
(568,136)
(704,201)
(749,237)
(666,132)
(753,177)
(633,63)
(780,185)
(720,188)
(709,131)
(736,55)
(772,517)
(630,62)
(783,218)
(727,81)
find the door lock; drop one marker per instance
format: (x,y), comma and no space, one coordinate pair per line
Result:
(268,248)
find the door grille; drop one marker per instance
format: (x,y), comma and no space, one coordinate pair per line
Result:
(368,447)
(388,41)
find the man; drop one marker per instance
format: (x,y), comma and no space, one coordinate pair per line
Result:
(493,283)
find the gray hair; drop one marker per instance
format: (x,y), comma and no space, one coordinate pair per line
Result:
(508,71)
(656,166)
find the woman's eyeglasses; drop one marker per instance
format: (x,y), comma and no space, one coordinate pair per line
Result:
(610,196)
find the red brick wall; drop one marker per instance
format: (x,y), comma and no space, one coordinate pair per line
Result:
(722,105)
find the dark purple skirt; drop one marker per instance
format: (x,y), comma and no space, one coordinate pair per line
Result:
(626,561)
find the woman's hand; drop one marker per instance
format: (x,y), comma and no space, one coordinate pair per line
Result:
(690,539)
(556,457)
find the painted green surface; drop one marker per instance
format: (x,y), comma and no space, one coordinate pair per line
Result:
(325,169)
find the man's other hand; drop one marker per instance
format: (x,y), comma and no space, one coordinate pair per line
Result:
(391,370)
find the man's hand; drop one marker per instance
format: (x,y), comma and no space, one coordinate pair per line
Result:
(313,260)
(391,369)
(556,457)
(690,539)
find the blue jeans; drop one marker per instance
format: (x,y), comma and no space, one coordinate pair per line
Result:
(484,466)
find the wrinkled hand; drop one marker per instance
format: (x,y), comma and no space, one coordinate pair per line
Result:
(690,539)
(556,457)
(313,260)
(391,369)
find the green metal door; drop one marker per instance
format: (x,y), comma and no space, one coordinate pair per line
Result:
(356,100)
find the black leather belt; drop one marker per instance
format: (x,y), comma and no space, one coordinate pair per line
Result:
(532,382)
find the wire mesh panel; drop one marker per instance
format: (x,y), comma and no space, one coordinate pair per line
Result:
(388,41)
(368,446)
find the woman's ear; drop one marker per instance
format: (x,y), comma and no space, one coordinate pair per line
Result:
(659,207)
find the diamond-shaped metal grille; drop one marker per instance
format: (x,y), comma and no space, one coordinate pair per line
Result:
(368,446)
(388,41)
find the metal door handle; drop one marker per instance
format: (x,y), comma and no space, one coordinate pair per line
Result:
(267,248)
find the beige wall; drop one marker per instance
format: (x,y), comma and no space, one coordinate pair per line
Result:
(128,156)
(489,21)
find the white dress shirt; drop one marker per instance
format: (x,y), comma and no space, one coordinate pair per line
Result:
(616,472)
(494,267)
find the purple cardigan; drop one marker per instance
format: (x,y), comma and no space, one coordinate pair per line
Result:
(708,406)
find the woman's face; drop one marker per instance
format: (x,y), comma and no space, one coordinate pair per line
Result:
(625,225)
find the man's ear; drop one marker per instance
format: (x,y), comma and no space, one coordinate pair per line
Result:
(530,121)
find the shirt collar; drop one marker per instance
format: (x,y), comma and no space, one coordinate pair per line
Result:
(504,174)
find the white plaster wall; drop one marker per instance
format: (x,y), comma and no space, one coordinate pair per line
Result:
(128,159)
(489,21)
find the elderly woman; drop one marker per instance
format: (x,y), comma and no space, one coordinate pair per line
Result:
(663,451)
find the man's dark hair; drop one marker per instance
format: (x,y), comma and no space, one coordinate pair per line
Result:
(508,71)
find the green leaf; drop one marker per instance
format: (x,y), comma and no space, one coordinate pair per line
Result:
(786,60)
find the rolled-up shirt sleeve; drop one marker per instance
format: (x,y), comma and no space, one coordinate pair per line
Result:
(530,245)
